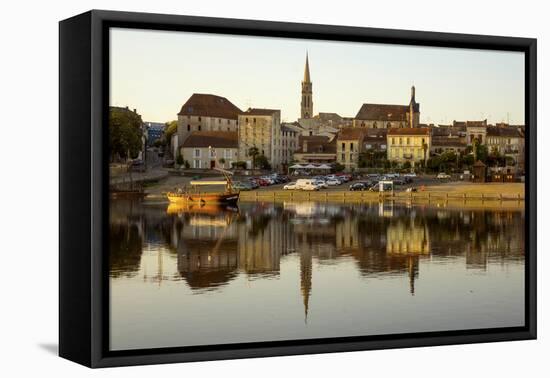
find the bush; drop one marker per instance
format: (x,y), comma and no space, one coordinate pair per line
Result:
(179,160)
(238,165)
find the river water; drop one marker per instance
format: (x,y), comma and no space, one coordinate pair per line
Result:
(183,276)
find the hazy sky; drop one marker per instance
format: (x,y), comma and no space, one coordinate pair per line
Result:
(156,72)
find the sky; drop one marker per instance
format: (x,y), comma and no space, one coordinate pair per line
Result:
(155,72)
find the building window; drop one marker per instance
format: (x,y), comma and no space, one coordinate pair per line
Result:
(254,120)
(343,146)
(188,127)
(199,127)
(343,157)
(392,140)
(351,147)
(197,152)
(408,140)
(212,152)
(196,163)
(400,141)
(199,119)
(219,120)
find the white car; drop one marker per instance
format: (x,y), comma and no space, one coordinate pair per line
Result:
(442,176)
(321,184)
(333,182)
(291,186)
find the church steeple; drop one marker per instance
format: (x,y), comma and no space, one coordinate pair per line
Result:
(306,71)
(413,109)
(307,93)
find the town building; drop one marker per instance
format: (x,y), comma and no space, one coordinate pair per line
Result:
(289,143)
(348,147)
(447,139)
(409,145)
(155,131)
(210,149)
(507,141)
(379,116)
(261,128)
(474,130)
(316,149)
(375,139)
(441,145)
(206,112)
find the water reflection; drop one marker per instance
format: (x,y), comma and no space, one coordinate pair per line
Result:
(208,248)
(213,244)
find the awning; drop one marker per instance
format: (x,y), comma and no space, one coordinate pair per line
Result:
(297,166)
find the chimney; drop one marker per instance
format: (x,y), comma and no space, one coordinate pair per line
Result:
(304,147)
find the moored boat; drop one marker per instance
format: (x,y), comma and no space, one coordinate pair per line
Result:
(203,198)
(193,196)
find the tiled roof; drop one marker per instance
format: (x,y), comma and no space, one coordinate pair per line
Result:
(316,144)
(505,131)
(220,139)
(470,123)
(383,112)
(409,131)
(207,105)
(288,129)
(377,133)
(352,133)
(260,112)
(448,142)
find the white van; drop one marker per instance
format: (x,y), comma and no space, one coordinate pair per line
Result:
(306,184)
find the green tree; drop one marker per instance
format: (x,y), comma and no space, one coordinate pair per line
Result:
(179,160)
(481,152)
(125,133)
(262,162)
(253,152)
(170,128)
(337,167)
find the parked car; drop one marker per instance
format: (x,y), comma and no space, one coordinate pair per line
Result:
(399,182)
(291,186)
(358,186)
(333,182)
(243,186)
(263,182)
(442,176)
(253,183)
(307,184)
(322,184)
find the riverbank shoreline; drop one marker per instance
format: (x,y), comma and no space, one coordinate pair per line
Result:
(454,193)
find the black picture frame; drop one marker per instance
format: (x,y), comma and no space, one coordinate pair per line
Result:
(83,197)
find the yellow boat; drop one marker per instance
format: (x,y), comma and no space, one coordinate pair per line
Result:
(193,196)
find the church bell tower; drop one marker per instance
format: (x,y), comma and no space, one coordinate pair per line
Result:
(307,94)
